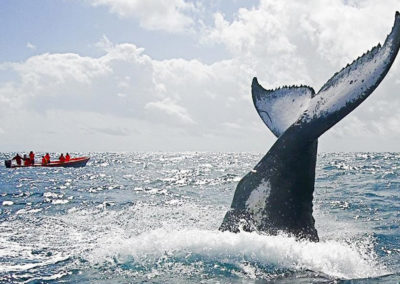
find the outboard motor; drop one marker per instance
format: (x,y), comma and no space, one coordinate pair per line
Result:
(7,163)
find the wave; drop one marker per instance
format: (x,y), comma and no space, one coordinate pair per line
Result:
(247,254)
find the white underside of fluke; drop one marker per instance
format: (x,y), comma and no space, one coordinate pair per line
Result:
(280,108)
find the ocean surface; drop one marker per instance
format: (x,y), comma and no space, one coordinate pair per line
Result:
(154,217)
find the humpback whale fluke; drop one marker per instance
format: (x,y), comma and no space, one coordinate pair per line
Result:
(277,194)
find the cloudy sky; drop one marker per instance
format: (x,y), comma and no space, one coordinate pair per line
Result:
(175,75)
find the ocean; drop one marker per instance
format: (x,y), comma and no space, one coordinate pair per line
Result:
(154,218)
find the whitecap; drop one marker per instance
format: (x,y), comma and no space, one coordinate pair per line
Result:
(333,258)
(59,201)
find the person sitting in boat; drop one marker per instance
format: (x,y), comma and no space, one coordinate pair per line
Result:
(44,161)
(67,157)
(18,159)
(62,158)
(47,157)
(27,161)
(32,157)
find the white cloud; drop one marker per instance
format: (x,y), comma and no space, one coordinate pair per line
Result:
(30,46)
(166,15)
(170,108)
(188,97)
(130,101)
(231,125)
(288,42)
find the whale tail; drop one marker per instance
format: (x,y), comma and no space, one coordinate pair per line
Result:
(277,194)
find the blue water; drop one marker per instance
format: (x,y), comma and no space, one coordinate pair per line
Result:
(154,217)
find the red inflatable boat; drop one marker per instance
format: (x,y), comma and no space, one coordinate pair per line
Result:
(73,162)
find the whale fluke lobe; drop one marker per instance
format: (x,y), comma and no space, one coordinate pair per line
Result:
(280,108)
(276,196)
(348,88)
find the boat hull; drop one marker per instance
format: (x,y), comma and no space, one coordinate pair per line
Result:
(73,163)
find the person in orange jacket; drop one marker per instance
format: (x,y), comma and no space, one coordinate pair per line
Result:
(44,160)
(32,157)
(47,157)
(27,161)
(62,158)
(67,157)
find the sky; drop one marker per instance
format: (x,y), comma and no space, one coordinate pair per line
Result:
(175,75)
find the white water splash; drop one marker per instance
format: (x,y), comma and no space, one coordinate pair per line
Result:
(333,258)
